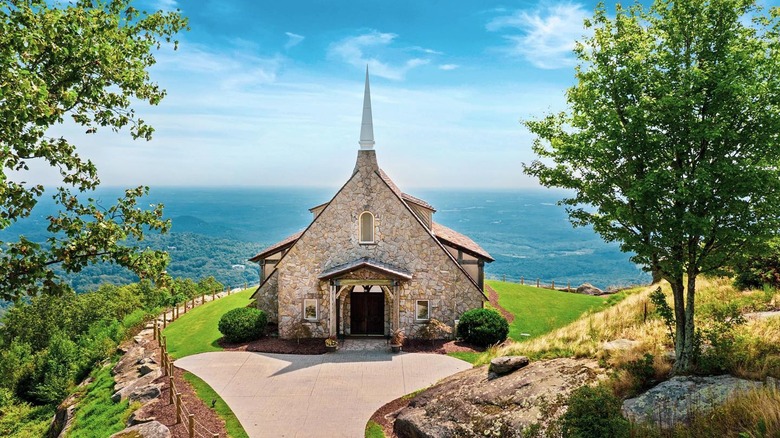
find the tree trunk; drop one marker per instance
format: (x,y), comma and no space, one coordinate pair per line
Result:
(682,356)
(690,330)
(655,270)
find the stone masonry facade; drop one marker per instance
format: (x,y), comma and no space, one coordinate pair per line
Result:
(401,240)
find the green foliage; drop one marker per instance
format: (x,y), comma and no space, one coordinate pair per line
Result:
(664,310)
(211,398)
(96,415)
(85,62)
(669,146)
(593,412)
(483,327)
(197,331)
(759,269)
(23,420)
(721,339)
(243,324)
(539,311)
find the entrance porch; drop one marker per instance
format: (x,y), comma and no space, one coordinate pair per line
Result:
(364,298)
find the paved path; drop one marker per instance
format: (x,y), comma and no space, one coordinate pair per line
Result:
(329,395)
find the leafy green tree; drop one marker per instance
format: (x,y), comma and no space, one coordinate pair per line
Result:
(84,62)
(670,144)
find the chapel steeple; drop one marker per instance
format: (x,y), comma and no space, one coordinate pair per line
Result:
(367,125)
(366,159)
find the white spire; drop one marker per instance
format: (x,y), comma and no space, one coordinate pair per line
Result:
(367,126)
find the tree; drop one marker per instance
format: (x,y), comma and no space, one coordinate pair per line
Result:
(670,144)
(84,62)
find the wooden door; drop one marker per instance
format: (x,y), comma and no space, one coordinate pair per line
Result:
(367,313)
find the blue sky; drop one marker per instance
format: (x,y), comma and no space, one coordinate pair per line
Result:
(269,93)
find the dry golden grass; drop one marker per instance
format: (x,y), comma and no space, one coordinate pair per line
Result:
(755,413)
(634,318)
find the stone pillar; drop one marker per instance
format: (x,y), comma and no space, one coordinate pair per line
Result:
(396,307)
(332,321)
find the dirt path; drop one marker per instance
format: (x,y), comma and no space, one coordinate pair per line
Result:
(493,299)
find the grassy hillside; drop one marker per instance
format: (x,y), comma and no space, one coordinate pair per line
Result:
(754,347)
(196,331)
(539,311)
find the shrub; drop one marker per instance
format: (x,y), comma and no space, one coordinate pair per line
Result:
(760,268)
(483,327)
(434,329)
(593,412)
(242,324)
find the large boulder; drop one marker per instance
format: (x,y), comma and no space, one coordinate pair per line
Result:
(589,289)
(152,429)
(672,402)
(468,404)
(133,385)
(506,364)
(144,394)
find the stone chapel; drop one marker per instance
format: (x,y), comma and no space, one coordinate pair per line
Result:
(371,261)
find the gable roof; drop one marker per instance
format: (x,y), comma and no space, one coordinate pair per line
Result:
(365,262)
(461,241)
(292,240)
(288,241)
(383,176)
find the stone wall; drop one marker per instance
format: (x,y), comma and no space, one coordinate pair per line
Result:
(267,298)
(401,240)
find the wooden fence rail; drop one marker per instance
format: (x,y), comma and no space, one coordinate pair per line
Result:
(542,284)
(194,427)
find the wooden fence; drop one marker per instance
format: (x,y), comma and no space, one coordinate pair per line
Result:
(194,428)
(542,284)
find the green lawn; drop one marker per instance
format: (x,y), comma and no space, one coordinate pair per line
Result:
(209,396)
(539,311)
(196,331)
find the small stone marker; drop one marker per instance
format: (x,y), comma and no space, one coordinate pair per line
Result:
(505,365)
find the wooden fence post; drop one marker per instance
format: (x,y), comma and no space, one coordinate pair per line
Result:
(170,391)
(522,280)
(212,295)
(165,318)
(553,284)
(178,407)
(537,282)
(192,425)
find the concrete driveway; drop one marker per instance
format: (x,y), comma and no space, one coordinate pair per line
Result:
(329,395)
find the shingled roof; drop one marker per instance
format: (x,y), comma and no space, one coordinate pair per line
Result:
(456,239)
(288,241)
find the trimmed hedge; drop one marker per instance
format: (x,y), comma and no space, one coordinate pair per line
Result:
(243,324)
(483,327)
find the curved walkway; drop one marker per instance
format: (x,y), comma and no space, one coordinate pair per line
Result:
(329,395)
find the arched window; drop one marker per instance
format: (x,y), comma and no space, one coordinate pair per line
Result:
(366,227)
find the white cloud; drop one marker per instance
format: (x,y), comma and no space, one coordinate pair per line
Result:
(359,51)
(547,34)
(448,67)
(166,5)
(228,69)
(293,39)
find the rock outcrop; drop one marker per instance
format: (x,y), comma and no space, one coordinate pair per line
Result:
(589,289)
(468,404)
(134,375)
(672,402)
(152,429)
